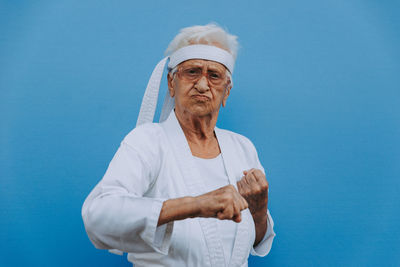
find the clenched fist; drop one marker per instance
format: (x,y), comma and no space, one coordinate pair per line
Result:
(224,203)
(254,188)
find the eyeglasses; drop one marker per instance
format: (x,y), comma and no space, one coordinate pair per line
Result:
(193,74)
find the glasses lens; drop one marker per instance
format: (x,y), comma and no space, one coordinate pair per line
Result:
(193,74)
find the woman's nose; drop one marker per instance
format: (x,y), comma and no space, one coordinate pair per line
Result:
(202,84)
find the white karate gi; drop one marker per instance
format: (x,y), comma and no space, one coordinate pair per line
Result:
(154,163)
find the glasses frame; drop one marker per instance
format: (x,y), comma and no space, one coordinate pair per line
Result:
(179,70)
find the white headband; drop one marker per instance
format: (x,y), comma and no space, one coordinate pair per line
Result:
(200,51)
(150,97)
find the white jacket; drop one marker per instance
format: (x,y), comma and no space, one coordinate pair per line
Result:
(154,163)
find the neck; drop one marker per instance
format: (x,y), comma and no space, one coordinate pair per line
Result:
(197,129)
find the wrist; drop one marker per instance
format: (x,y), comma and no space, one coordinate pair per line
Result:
(260,216)
(194,206)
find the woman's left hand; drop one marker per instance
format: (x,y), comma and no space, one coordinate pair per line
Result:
(254,188)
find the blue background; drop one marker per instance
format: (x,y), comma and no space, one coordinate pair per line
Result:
(316,89)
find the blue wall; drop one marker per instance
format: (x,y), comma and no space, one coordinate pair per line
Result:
(316,89)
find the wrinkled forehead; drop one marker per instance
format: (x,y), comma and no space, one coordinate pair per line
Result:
(203,63)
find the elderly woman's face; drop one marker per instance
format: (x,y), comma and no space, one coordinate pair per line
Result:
(199,86)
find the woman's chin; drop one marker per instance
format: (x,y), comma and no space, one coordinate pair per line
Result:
(202,111)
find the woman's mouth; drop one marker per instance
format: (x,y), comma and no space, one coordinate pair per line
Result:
(201,97)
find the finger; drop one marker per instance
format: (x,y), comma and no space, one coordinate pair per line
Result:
(251,170)
(259,175)
(220,215)
(244,188)
(245,205)
(255,187)
(246,179)
(242,180)
(226,214)
(239,185)
(254,180)
(261,180)
(237,210)
(245,173)
(237,218)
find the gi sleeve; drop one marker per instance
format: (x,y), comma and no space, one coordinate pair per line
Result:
(117,216)
(264,247)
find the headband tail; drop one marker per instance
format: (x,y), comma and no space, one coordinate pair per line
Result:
(169,104)
(150,97)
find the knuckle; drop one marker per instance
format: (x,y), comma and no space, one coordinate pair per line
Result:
(265,186)
(231,214)
(230,188)
(257,190)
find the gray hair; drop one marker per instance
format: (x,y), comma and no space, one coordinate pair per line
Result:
(208,34)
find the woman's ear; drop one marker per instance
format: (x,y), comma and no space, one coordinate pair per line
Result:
(171,84)
(227,92)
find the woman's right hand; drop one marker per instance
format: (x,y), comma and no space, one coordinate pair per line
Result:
(224,203)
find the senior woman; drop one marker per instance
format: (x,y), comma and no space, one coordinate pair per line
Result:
(183,192)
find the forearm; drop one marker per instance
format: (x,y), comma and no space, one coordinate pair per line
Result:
(261,225)
(225,203)
(177,209)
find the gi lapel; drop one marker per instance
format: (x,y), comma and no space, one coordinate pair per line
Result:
(194,185)
(240,248)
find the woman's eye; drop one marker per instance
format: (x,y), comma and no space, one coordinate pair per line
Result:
(214,75)
(192,71)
